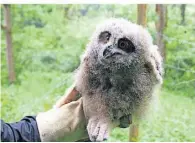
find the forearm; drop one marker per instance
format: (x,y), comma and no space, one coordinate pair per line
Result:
(25,130)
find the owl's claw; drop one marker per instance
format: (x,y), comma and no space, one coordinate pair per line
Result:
(97,130)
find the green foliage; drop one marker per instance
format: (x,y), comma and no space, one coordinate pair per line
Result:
(48,41)
(180,61)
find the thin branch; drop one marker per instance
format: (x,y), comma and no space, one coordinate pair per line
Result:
(178,68)
(185,82)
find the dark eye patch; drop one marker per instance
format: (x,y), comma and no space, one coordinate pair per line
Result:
(104,37)
(126,45)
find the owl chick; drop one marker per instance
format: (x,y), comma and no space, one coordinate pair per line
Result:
(118,74)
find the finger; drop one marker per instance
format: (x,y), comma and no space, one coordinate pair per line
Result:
(61,102)
(70,96)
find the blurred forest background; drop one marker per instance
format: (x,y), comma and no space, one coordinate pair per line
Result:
(47,41)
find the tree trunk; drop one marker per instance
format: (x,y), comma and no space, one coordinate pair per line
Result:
(183,9)
(160,27)
(141,14)
(133,133)
(141,20)
(10,63)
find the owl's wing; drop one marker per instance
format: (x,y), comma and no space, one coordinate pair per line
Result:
(156,62)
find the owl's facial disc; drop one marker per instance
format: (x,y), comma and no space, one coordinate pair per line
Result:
(123,47)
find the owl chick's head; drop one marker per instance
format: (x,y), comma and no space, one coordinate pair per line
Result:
(119,41)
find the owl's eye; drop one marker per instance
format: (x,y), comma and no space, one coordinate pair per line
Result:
(104,37)
(126,45)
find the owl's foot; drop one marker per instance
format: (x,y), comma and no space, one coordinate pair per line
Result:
(98,130)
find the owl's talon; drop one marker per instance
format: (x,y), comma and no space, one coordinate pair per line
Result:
(99,133)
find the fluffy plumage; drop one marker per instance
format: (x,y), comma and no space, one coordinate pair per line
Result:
(117,75)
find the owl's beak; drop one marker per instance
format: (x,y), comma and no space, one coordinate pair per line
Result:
(110,51)
(107,52)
